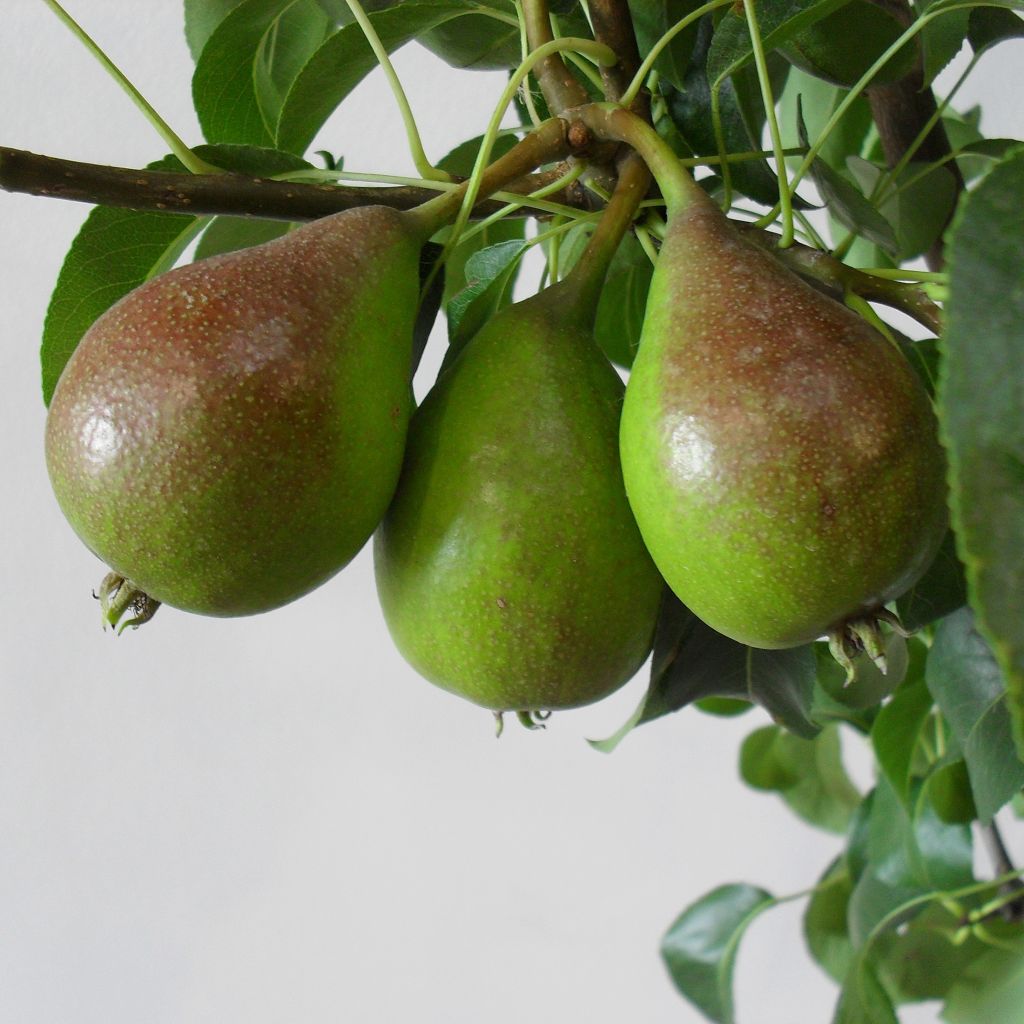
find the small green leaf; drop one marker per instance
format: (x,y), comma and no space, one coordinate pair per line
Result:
(991,990)
(948,788)
(845,202)
(700,947)
(825,926)
(981,409)
(968,686)
(488,275)
(941,590)
(344,60)
(691,661)
(895,734)
(863,1000)
(808,774)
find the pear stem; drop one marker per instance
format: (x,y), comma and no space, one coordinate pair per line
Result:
(582,287)
(613,123)
(548,143)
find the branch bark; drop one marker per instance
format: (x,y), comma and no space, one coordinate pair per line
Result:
(900,111)
(613,26)
(233,194)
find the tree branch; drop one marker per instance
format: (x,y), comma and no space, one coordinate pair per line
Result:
(233,194)
(900,111)
(613,26)
(561,91)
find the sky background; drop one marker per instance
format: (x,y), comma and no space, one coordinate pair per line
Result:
(274,819)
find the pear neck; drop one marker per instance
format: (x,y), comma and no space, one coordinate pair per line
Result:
(581,289)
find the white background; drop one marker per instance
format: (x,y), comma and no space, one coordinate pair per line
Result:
(273,819)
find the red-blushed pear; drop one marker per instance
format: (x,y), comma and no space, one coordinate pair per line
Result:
(780,455)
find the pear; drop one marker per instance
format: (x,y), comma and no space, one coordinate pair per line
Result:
(780,454)
(509,567)
(227,436)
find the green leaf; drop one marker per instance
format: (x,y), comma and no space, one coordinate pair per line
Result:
(948,788)
(981,409)
(228,234)
(488,273)
(651,20)
(293,37)
(941,590)
(460,162)
(968,687)
(691,112)
(223,85)
(691,661)
(989,26)
(845,202)
(700,947)
(117,250)
(990,990)
(863,999)
(825,925)
(807,774)
(114,252)
(895,734)
(344,60)
(778,20)
(201,19)
(941,39)
(477,41)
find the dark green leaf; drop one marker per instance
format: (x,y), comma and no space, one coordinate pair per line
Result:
(344,60)
(941,39)
(845,202)
(700,947)
(825,927)
(941,590)
(117,250)
(988,26)
(981,407)
(476,41)
(651,20)
(488,274)
(691,112)
(894,735)
(949,790)
(778,20)
(430,303)
(967,684)
(223,85)
(691,661)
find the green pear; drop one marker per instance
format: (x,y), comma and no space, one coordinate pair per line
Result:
(228,435)
(780,454)
(509,567)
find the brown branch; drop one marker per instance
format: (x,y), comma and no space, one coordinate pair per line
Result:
(561,90)
(233,194)
(613,26)
(900,111)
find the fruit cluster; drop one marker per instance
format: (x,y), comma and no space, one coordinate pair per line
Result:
(231,433)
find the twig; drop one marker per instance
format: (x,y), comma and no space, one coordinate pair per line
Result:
(234,194)
(561,90)
(613,26)
(1014,910)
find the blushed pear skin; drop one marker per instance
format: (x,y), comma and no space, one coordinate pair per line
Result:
(780,455)
(509,567)
(229,434)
